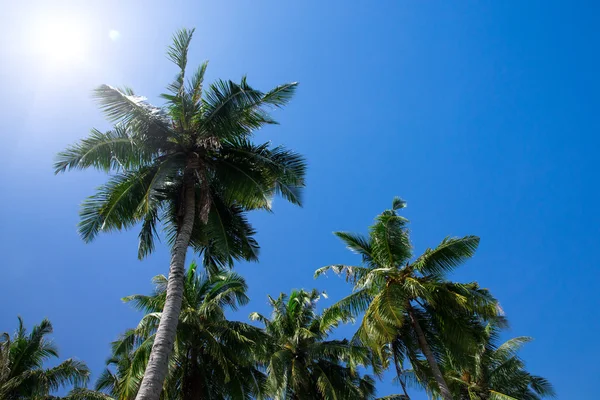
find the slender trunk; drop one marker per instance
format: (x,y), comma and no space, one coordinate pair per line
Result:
(435,369)
(158,364)
(399,373)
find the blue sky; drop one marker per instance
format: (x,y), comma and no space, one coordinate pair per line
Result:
(482,115)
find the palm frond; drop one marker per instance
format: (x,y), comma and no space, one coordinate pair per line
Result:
(178,50)
(115,150)
(357,244)
(115,205)
(134,112)
(230,233)
(247,165)
(398,203)
(195,85)
(447,256)
(68,372)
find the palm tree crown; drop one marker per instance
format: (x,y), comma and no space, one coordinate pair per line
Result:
(201,137)
(22,358)
(301,362)
(191,167)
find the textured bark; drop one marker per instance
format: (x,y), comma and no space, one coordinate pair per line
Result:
(435,369)
(158,364)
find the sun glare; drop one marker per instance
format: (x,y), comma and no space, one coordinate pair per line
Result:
(61,40)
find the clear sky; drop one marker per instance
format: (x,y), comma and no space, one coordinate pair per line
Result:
(483,115)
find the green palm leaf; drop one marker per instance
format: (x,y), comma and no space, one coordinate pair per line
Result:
(110,151)
(447,256)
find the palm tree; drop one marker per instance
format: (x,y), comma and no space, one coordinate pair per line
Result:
(22,358)
(494,372)
(410,307)
(301,362)
(191,167)
(213,357)
(120,380)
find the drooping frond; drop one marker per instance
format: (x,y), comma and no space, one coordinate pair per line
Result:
(259,172)
(71,372)
(357,244)
(134,112)
(116,204)
(148,233)
(230,235)
(355,303)
(115,150)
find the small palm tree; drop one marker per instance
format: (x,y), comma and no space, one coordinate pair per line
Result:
(301,362)
(410,307)
(495,372)
(22,358)
(120,380)
(213,357)
(191,167)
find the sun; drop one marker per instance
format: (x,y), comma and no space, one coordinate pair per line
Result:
(60,40)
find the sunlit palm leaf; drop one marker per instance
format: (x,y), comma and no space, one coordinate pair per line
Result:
(447,256)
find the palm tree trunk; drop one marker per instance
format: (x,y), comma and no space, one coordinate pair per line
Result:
(158,364)
(435,369)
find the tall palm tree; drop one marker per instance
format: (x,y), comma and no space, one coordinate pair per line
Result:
(22,358)
(410,307)
(213,357)
(192,167)
(494,372)
(301,362)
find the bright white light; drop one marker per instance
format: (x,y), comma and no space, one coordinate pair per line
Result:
(114,35)
(60,39)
